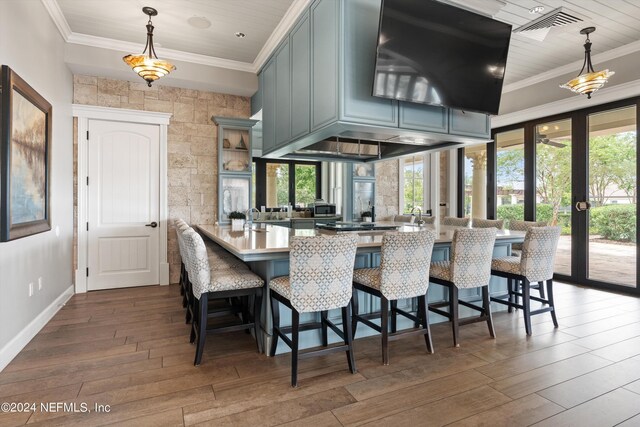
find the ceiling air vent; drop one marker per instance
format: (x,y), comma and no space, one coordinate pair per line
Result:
(540,27)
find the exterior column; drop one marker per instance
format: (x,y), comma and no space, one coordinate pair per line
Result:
(272,181)
(479,184)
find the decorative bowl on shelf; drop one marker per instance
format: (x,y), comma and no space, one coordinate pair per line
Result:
(235,166)
(226,143)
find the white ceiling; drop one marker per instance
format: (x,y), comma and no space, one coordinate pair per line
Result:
(119,24)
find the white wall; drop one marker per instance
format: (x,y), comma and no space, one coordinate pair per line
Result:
(31,45)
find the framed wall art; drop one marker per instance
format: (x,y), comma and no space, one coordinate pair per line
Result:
(25,147)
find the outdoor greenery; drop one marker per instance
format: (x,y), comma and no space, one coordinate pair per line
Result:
(305,184)
(614,222)
(413,183)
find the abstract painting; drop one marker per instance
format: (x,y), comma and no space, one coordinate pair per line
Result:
(25,141)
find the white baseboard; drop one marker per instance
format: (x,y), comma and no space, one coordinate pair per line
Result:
(13,347)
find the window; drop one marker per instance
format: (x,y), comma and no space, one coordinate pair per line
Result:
(510,175)
(279,183)
(413,174)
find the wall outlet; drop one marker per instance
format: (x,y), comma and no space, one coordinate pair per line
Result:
(39,283)
(31,289)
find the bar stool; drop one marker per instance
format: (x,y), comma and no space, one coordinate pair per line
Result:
(206,286)
(535,265)
(320,279)
(181,226)
(487,223)
(404,218)
(469,267)
(456,222)
(403,273)
(516,250)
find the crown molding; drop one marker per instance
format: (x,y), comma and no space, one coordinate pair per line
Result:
(58,18)
(286,23)
(574,66)
(575,102)
(177,55)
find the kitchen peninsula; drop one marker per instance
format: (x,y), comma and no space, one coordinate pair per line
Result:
(266,249)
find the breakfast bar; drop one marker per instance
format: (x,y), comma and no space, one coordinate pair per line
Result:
(265,248)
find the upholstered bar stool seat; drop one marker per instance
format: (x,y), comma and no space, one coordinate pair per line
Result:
(535,266)
(469,267)
(487,223)
(404,218)
(403,274)
(320,279)
(456,222)
(207,284)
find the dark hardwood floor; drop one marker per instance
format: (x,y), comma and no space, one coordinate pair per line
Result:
(129,349)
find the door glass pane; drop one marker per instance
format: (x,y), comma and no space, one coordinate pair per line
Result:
(305,185)
(553,185)
(475,181)
(510,175)
(612,193)
(277,185)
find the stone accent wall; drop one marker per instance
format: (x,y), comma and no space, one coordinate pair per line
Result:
(192,143)
(444,183)
(387,189)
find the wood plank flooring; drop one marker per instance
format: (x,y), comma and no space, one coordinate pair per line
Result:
(129,349)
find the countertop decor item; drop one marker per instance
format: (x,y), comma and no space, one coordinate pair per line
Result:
(148,66)
(237,220)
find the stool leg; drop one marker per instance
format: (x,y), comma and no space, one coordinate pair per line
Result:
(453,308)
(245,312)
(541,289)
(275,316)
(202,327)
(323,327)
(486,305)
(348,338)
(424,314)
(384,325)
(354,305)
(526,303)
(511,298)
(192,336)
(295,327)
(394,313)
(257,318)
(551,302)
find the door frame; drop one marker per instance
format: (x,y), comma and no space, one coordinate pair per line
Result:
(84,113)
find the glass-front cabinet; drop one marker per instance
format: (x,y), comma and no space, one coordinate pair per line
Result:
(234,165)
(362,187)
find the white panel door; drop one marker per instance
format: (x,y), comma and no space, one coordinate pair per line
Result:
(123,204)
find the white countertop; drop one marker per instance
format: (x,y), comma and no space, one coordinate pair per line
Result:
(271,239)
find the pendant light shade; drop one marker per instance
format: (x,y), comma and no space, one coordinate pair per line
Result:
(590,81)
(148,66)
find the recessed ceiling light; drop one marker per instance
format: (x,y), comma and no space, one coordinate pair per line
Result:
(240,35)
(536,9)
(199,22)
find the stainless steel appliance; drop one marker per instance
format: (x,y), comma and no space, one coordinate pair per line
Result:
(323,209)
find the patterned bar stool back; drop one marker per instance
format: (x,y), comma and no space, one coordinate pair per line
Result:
(404,264)
(197,262)
(471,256)
(321,271)
(538,253)
(456,222)
(404,218)
(517,225)
(487,223)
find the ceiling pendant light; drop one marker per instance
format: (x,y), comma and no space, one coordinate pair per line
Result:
(590,81)
(148,66)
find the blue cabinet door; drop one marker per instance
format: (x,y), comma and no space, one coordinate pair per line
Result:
(256,99)
(431,118)
(283,94)
(360,40)
(269,107)
(469,123)
(300,40)
(325,50)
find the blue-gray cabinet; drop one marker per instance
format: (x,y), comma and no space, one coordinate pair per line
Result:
(469,123)
(283,93)
(325,49)
(424,117)
(268,79)
(300,41)
(361,19)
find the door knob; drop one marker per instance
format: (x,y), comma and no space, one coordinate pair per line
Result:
(152,225)
(583,206)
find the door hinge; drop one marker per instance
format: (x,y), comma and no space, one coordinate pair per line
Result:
(87,135)
(87,226)
(87,271)
(87,180)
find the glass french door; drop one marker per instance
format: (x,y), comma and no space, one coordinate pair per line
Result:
(578,171)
